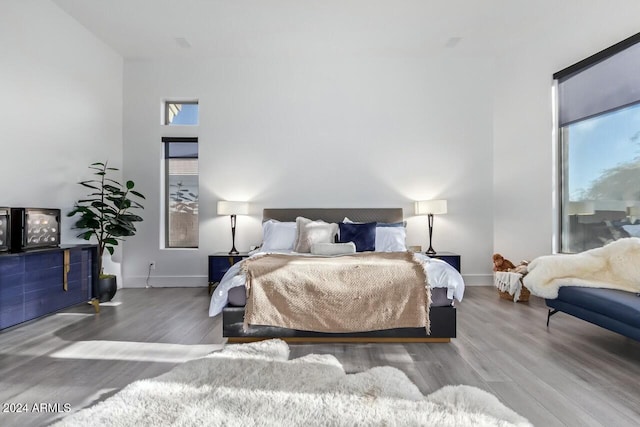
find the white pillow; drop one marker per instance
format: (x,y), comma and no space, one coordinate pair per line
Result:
(278,236)
(391,239)
(310,232)
(388,239)
(333,248)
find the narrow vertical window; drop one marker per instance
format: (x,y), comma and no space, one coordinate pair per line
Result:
(181,192)
(181,113)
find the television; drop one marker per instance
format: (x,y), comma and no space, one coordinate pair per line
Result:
(34,228)
(5,229)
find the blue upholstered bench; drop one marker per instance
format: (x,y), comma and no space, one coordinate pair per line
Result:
(618,311)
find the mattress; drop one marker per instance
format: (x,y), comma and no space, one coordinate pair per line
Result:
(238,297)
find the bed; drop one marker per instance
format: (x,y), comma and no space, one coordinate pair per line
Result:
(445,285)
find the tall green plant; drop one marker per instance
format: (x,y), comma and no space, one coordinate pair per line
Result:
(106,213)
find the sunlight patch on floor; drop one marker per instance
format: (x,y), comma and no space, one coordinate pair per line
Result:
(134,351)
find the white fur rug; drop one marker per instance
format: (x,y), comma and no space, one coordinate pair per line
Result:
(613,266)
(256,385)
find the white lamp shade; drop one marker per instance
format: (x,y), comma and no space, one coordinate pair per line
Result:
(584,207)
(426,207)
(233,208)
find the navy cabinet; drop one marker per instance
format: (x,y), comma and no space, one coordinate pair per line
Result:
(11,290)
(219,264)
(450,258)
(36,283)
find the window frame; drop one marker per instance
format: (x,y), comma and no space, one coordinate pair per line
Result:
(167,110)
(562,160)
(166,140)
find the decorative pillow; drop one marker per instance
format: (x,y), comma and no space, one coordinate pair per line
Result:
(391,239)
(379,224)
(333,248)
(278,236)
(392,224)
(310,232)
(363,235)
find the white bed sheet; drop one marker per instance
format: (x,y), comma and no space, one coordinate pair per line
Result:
(439,275)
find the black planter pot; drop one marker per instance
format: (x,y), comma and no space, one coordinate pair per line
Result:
(107,287)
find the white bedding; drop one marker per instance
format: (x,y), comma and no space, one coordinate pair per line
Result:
(439,275)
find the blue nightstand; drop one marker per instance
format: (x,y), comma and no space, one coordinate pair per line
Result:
(219,263)
(448,257)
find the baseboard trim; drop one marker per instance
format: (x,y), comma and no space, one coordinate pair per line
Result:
(478,279)
(165,281)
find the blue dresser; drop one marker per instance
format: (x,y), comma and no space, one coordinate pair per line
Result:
(39,282)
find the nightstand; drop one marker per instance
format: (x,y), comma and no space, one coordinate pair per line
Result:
(448,257)
(219,263)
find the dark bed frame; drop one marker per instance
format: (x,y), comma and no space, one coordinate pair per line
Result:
(442,319)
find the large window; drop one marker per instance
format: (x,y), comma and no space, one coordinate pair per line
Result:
(181,192)
(599,143)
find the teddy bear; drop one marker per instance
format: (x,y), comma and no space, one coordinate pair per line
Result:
(500,263)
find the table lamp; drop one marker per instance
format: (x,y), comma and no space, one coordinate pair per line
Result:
(233,209)
(429,208)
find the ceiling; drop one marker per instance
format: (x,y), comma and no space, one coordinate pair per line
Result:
(252,28)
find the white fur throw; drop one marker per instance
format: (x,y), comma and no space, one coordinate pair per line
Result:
(333,248)
(614,266)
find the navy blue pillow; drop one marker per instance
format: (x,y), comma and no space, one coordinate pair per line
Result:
(363,235)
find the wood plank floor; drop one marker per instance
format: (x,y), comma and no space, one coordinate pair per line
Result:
(573,373)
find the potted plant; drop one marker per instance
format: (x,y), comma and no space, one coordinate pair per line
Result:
(106,214)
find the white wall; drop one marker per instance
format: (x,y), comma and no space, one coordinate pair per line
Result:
(523,120)
(309,131)
(316,132)
(61,106)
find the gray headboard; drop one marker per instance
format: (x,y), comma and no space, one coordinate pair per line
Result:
(336,214)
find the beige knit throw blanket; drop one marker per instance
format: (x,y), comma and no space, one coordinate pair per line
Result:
(351,293)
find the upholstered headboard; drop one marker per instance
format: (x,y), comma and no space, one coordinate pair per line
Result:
(336,214)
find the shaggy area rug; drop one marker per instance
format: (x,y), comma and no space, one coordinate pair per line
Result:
(256,385)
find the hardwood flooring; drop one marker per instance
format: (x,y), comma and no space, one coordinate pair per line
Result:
(572,373)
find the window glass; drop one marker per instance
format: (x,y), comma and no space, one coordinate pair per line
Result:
(181,113)
(601,179)
(182,191)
